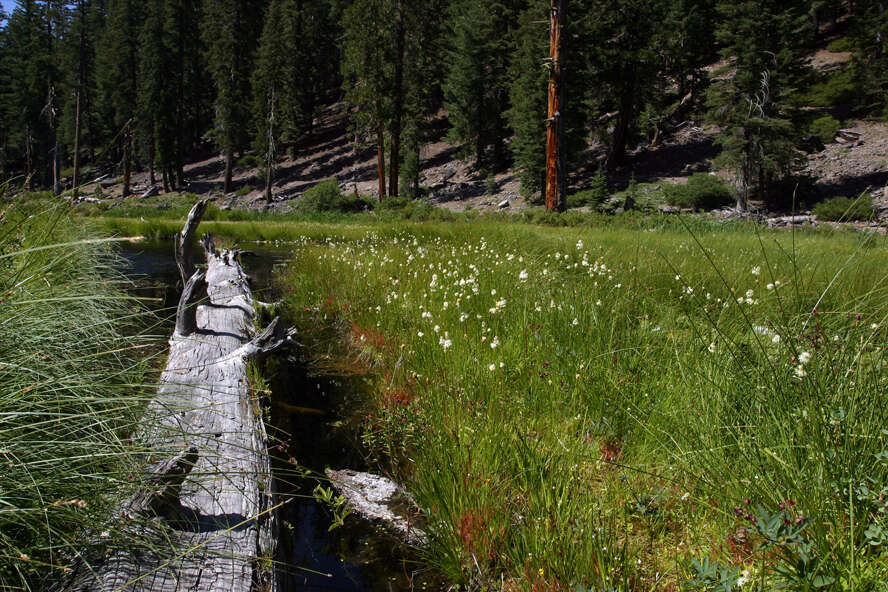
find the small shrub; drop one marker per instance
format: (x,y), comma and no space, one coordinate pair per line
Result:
(843,208)
(702,192)
(320,198)
(248,161)
(825,128)
(326,197)
(490,184)
(244,190)
(840,45)
(596,195)
(392,203)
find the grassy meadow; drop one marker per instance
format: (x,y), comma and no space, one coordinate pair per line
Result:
(70,391)
(604,408)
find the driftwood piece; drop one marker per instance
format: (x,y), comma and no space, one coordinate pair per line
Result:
(205,518)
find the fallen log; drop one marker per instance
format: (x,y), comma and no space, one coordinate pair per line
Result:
(204,518)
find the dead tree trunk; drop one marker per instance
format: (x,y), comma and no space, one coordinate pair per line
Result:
(555,173)
(205,518)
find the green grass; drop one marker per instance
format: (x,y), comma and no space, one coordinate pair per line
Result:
(596,408)
(69,391)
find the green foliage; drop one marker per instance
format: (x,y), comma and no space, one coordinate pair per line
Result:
(244,190)
(476,86)
(595,196)
(527,95)
(764,40)
(229,29)
(841,44)
(248,161)
(825,128)
(830,89)
(702,192)
(326,197)
(322,197)
(843,208)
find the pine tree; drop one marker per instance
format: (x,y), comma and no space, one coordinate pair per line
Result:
(368,73)
(870,35)
(6,97)
(117,67)
(31,32)
(476,86)
(625,63)
(763,39)
(527,93)
(229,30)
(173,112)
(425,37)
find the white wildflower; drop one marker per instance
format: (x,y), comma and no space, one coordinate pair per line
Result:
(522,277)
(712,347)
(756,270)
(804,357)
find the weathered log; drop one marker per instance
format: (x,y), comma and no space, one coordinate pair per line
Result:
(204,518)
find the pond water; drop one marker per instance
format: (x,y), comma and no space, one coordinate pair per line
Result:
(313,420)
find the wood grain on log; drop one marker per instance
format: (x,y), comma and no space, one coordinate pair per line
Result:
(205,517)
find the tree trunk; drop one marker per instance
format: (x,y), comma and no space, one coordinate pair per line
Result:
(395,159)
(621,131)
(228,166)
(76,180)
(555,173)
(29,174)
(127,159)
(204,517)
(80,84)
(380,160)
(270,152)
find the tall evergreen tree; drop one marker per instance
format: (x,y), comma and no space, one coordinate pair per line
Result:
(368,73)
(117,68)
(870,34)
(763,40)
(173,98)
(6,96)
(527,94)
(31,32)
(230,28)
(476,86)
(625,63)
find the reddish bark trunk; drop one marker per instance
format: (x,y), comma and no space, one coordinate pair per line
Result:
(555,173)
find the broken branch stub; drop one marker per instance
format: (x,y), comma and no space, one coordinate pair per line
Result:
(184,258)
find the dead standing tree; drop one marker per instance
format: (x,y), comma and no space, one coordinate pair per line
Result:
(556,179)
(204,518)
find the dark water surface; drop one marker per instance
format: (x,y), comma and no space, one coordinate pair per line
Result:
(313,421)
